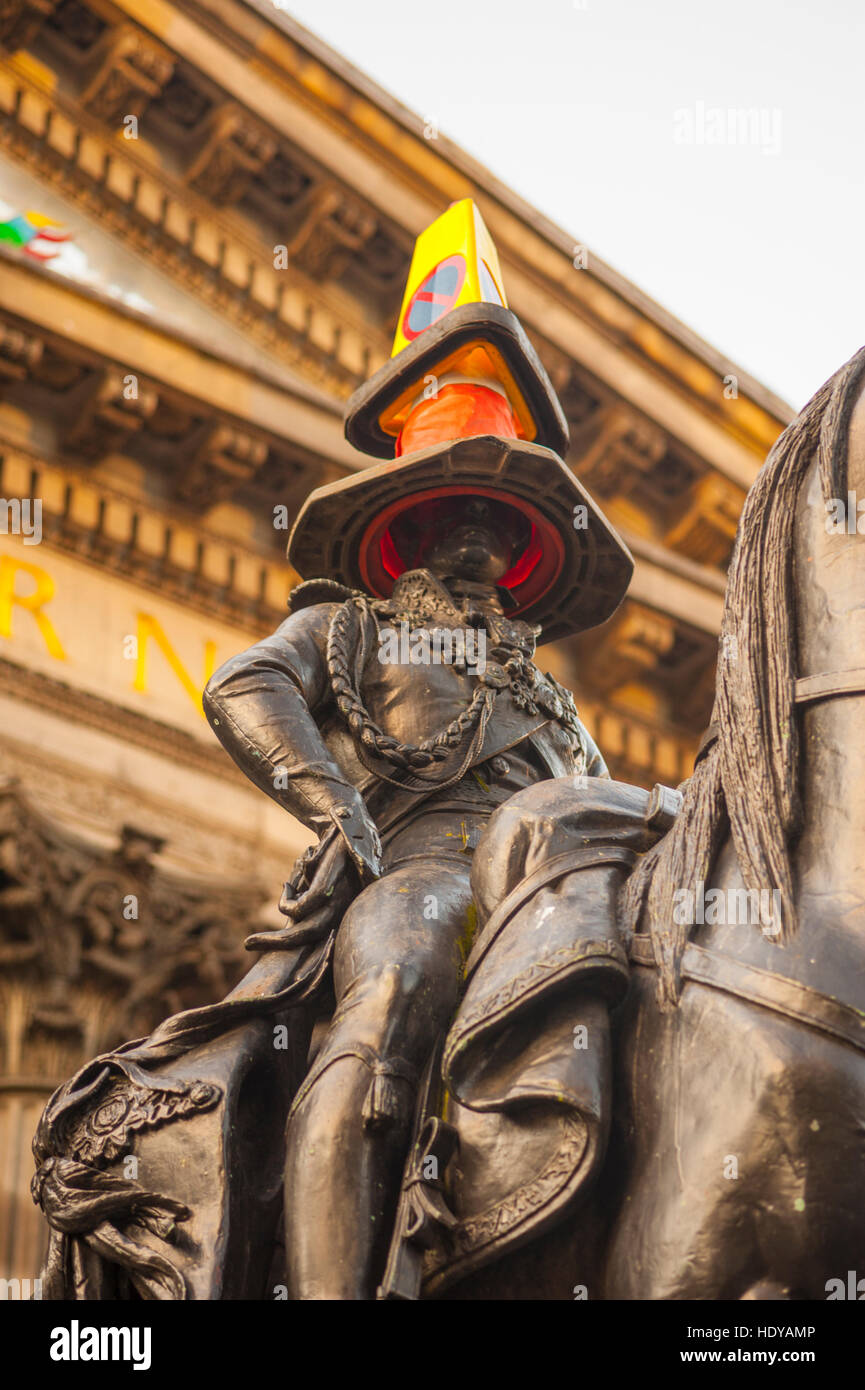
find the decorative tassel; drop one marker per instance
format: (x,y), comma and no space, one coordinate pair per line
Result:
(382,1106)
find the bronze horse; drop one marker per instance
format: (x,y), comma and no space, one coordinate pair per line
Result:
(743,1088)
(737,1156)
(736,1161)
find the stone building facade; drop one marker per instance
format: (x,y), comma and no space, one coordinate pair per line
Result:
(239,206)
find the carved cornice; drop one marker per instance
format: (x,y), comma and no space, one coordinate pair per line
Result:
(129,69)
(152,549)
(616,450)
(210,253)
(20,352)
(629,646)
(90,356)
(80,923)
(422,174)
(629,463)
(364,137)
(651,663)
(331,232)
(224,460)
(624,449)
(21,20)
(108,417)
(706,528)
(386,128)
(638,750)
(235,149)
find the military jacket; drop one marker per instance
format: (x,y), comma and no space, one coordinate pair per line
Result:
(273,706)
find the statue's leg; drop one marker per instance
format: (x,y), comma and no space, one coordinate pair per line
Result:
(549,869)
(397,968)
(533,1028)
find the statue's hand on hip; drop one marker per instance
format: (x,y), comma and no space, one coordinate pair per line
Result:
(359,836)
(347,856)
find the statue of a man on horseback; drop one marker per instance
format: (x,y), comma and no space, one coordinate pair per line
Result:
(397,708)
(485,988)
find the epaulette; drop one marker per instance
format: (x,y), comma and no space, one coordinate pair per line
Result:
(313,591)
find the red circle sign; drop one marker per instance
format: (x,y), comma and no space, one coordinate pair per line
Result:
(434,296)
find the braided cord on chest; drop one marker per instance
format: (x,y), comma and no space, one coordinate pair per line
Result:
(348,644)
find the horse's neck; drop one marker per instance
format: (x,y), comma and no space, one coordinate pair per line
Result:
(830,599)
(827,949)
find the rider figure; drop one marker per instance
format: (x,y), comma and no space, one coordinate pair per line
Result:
(398,763)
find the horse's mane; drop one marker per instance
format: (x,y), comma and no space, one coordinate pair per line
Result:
(747,783)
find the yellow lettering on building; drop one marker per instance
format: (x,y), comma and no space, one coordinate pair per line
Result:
(32,603)
(150,627)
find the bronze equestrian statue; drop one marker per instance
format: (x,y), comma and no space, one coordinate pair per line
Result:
(491,1055)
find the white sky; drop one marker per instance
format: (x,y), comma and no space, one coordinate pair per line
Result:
(574,104)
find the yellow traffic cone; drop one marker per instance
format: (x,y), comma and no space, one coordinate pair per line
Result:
(461,364)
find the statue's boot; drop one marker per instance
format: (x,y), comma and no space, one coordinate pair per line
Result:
(396,979)
(347,1138)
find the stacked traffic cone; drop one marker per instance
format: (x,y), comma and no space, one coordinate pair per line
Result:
(464,408)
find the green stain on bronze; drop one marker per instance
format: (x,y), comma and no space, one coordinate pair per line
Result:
(463,836)
(466,936)
(445,1105)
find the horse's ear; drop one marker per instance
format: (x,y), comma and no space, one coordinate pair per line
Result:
(856,453)
(836,441)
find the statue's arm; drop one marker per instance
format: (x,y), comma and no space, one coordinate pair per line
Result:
(261,706)
(595,765)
